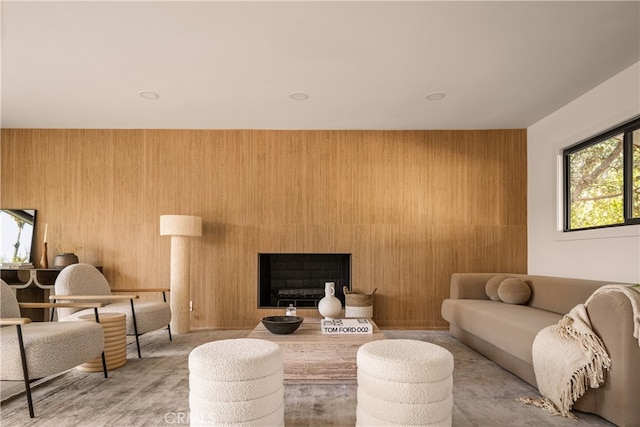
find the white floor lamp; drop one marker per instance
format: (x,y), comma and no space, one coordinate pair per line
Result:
(180,228)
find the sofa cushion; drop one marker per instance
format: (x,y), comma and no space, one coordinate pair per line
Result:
(559,294)
(491,288)
(507,326)
(514,291)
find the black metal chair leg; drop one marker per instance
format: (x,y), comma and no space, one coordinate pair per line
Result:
(53,311)
(104,365)
(135,328)
(104,359)
(25,371)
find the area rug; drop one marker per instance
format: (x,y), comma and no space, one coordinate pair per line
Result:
(154,391)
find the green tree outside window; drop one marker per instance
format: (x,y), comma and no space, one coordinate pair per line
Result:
(596,173)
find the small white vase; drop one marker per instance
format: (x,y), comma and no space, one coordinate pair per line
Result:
(330,306)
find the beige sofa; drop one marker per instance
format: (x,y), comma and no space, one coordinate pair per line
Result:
(505,332)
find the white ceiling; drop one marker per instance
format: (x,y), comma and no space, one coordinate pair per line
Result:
(365,65)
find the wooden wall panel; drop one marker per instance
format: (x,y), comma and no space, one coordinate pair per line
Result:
(412,207)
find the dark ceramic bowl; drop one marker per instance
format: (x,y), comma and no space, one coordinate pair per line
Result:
(60,261)
(282,325)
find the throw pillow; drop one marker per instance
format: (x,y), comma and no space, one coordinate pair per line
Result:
(514,291)
(491,288)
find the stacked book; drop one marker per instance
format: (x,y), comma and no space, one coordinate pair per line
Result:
(17,265)
(346,326)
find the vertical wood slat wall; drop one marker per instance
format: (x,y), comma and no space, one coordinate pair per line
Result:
(412,207)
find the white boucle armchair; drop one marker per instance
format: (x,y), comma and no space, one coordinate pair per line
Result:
(84,282)
(36,350)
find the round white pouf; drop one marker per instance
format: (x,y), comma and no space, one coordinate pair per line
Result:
(404,383)
(236,381)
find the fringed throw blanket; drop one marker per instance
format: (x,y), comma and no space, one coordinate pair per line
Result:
(569,358)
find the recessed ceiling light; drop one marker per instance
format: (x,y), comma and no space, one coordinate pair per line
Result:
(436,96)
(148,94)
(298,96)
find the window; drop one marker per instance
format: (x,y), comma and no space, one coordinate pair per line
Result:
(635,174)
(602,180)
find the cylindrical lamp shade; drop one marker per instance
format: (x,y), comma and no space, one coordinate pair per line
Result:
(180,225)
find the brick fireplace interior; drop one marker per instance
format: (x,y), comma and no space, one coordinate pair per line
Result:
(298,278)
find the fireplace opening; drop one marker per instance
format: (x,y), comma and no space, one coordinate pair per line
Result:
(298,279)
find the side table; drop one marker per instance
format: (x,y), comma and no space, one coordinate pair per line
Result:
(115,342)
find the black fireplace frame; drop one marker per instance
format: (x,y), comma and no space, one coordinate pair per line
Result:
(298,278)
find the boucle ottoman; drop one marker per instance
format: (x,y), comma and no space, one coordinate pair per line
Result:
(365,419)
(238,382)
(402,392)
(404,383)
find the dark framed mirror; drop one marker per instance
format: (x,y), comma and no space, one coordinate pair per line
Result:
(17,231)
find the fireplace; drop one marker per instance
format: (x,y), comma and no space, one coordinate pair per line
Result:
(298,279)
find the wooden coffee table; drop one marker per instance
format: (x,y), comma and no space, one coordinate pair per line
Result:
(310,355)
